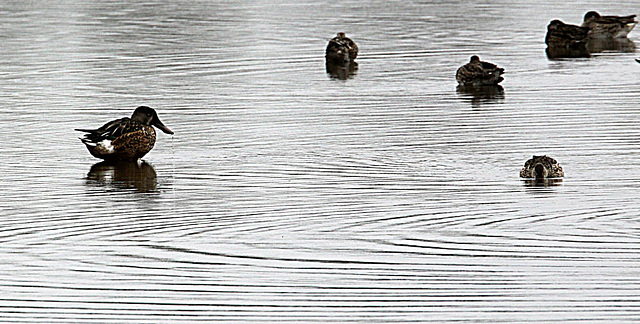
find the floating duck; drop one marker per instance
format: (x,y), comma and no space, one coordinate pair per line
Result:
(608,26)
(565,40)
(541,167)
(479,73)
(566,36)
(125,139)
(341,49)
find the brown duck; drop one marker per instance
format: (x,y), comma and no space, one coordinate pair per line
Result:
(541,167)
(341,49)
(566,36)
(479,73)
(608,26)
(125,139)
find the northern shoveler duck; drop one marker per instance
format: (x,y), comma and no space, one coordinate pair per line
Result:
(541,167)
(477,73)
(341,49)
(608,26)
(125,139)
(566,36)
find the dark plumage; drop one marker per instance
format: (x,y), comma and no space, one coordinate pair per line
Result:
(608,26)
(541,167)
(566,36)
(341,49)
(478,73)
(125,139)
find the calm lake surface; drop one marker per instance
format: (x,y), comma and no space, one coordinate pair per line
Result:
(289,194)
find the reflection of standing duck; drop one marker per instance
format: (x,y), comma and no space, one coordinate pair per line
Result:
(608,26)
(124,175)
(541,167)
(341,49)
(125,139)
(478,73)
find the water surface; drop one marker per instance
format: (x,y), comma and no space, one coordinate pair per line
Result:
(288,194)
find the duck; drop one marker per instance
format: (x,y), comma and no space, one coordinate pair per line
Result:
(125,139)
(608,26)
(541,167)
(566,36)
(479,73)
(341,49)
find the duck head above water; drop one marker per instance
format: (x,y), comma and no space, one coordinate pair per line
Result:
(148,116)
(541,167)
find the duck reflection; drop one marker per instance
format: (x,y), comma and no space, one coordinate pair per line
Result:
(123,175)
(341,71)
(621,45)
(563,52)
(550,182)
(481,94)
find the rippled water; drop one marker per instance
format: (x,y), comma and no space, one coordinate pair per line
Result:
(288,194)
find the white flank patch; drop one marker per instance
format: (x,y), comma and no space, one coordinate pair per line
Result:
(106,145)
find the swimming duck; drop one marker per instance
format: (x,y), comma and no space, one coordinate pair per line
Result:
(341,49)
(608,26)
(478,73)
(125,139)
(541,167)
(566,36)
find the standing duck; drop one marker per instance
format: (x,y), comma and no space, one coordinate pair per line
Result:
(608,26)
(125,139)
(479,73)
(541,167)
(341,49)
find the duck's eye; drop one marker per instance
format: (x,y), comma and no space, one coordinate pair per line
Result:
(148,114)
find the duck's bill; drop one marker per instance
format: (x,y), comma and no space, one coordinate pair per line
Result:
(162,127)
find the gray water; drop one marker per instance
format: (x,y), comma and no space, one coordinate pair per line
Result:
(288,194)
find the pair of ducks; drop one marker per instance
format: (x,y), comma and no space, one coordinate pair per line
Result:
(594,26)
(129,139)
(342,50)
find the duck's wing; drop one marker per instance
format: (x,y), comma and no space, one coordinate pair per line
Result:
(617,19)
(564,35)
(335,43)
(110,130)
(572,32)
(490,67)
(475,72)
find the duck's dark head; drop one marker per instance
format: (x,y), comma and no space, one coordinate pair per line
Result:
(555,24)
(591,15)
(540,172)
(474,58)
(341,35)
(148,116)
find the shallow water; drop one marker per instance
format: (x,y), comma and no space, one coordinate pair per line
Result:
(288,194)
